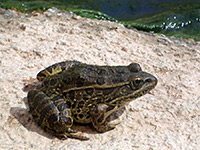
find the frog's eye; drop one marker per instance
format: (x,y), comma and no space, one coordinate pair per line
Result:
(137,83)
(134,67)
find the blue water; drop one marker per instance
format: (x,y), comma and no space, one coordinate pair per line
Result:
(171,17)
(131,9)
(175,17)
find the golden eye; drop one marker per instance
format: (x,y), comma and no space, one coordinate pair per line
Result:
(138,81)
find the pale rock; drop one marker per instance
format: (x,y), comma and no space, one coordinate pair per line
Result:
(167,118)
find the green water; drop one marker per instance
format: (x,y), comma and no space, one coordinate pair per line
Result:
(179,18)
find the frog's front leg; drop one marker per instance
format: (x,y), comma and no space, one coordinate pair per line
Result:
(99,114)
(52,114)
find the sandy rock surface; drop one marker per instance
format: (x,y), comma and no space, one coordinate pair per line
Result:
(168,118)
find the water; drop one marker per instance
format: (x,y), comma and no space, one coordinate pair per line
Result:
(131,9)
(171,17)
(184,25)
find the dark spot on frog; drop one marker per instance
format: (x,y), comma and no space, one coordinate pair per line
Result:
(76,116)
(108,91)
(120,70)
(44,112)
(99,100)
(102,72)
(35,116)
(101,81)
(85,97)
(80,116)
(52,119)
(63,65)
(74,105)
(41,75)
(89,91)
(68,104)
(55,98)
(44,101)
(117,80)
(81,104)
(93,109)
(66,80)
(50,69)
(100,118)
(79,82)
(38,98)
(78,110)
(109,100)
(110,108)
(71,94)
(88,116)
(69,121)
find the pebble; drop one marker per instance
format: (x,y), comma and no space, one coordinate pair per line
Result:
(22,27)
(164,41)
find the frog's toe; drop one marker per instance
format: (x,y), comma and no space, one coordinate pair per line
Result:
(71,130)
(77,136)
(111,126)
(61,136)
(106,127)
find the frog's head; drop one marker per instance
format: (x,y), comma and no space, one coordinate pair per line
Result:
(140,82)
(133,83)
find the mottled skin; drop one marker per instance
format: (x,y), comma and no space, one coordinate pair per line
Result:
(73,91)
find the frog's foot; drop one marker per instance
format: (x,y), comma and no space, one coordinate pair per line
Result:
(70,133)
(105,127)
(74,135)
(99,114)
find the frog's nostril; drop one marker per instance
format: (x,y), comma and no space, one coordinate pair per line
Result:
(148,80)
(151,79)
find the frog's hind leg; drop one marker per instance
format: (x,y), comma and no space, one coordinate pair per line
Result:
(99,114)
(65,110)
(55,68)
(52,115)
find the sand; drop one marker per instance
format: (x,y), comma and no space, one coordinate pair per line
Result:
(167,118)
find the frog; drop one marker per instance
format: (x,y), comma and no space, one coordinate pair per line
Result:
(75,92)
